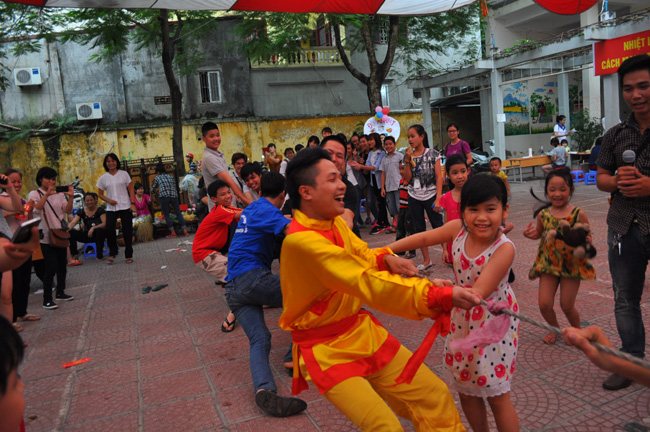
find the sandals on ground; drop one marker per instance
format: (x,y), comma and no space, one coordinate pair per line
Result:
(110,260)
(550,338)
(129,260)
(28,317)
(226,324)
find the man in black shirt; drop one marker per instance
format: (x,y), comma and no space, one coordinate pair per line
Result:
(337,149)
(628,218)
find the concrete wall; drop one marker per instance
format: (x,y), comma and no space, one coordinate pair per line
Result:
(81,154)
(126,85)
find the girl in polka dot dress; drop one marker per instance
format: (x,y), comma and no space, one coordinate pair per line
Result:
(482,257)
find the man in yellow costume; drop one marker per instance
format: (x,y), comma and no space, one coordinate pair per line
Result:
(327,274)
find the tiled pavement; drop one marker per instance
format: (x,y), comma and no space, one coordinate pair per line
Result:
(159,362)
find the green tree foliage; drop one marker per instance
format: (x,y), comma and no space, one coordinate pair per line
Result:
(26,26)
(587,129)
(414,41)
(175,35)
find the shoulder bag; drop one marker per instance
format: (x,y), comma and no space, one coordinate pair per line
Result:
(58,237)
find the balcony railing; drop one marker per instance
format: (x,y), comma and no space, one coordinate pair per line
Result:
(322,56)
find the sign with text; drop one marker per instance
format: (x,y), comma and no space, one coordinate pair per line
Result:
(609,54)
(387,126)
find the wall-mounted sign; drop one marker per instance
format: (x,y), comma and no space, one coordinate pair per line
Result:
(609,54)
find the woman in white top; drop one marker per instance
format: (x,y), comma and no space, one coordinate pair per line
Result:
(424,180)
(116,189)
(559,131)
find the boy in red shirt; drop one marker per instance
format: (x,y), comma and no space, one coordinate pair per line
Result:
(211,241)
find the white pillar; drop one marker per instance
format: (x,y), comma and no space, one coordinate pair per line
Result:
(497,108)
(611,97)
(563,98)
(591,92)
(590,82)
(487,130)
(426,115)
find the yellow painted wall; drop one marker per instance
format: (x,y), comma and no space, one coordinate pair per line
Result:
(78,154)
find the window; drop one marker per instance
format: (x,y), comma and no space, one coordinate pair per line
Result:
(210,83)
(324,33)
(384,95)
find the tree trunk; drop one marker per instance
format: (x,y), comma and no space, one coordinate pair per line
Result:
(378,71)
(175,93)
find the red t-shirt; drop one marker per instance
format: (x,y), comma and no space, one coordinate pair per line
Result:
(452,208)
(212,234)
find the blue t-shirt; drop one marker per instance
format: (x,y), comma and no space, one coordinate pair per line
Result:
(254,240)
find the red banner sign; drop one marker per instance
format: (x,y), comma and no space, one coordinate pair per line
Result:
(609,54)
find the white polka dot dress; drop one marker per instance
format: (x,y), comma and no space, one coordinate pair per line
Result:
(487,371)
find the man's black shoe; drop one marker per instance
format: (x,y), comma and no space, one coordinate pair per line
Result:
(279,406)
(616,382)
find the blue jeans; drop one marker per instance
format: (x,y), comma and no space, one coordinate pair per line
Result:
(246,294)
(628,274)
(417,209)
(164,207)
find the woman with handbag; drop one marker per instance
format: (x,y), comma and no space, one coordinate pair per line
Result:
(52,207)
(116,189)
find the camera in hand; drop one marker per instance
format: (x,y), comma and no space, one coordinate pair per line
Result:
(4,181)
(61,189)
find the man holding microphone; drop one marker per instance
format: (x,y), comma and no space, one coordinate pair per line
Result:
(624,171)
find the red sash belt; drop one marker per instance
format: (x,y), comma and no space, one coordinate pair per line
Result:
(304,341)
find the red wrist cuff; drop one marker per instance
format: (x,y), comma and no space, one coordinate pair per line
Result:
(380,261)
(381,253)
(440,297)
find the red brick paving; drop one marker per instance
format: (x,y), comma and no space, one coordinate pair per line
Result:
(159,362)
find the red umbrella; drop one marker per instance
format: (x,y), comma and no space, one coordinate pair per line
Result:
(566,7)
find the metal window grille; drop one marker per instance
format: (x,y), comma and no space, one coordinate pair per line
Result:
(210,83)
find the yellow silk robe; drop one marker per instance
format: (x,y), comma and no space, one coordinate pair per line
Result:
(327,274)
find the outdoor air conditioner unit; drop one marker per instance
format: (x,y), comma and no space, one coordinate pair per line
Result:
(27,76)
(89,111)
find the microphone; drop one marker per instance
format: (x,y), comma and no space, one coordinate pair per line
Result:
(629,157)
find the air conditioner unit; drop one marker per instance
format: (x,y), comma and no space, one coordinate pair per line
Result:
(27,76)
(89,111)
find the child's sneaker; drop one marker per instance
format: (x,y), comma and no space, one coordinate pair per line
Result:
(172,235)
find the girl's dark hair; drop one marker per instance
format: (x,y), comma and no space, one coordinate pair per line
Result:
(91,194)
(377,139)
(45,172)
(565,174)
(481,188)
(420,131)
(11,352)
(137,186)
(453,124)
(115,158)
(559,118)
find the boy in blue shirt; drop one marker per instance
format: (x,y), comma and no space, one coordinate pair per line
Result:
(252,285)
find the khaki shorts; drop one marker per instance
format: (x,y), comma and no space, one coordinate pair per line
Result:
(215,264)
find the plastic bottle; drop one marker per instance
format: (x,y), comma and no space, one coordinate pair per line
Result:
(541,150)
